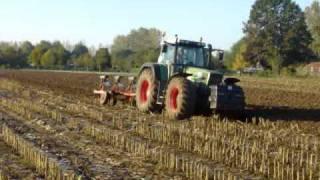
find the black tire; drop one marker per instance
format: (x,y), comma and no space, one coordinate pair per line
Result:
(146,92)
(180,98)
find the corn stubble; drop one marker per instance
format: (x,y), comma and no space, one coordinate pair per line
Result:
(3,176)
(44,163)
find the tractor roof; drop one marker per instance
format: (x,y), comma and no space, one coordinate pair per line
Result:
(184,42)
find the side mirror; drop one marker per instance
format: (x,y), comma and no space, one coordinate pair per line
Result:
(164,48)
(221,55)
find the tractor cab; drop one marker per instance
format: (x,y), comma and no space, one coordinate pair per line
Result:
(183,53)
(193,59)
(188,53)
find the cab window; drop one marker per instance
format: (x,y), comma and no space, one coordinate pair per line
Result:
(191,56)
(168,56)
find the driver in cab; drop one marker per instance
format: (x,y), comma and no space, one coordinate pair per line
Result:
(183,57)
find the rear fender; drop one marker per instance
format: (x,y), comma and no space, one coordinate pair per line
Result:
(159,71)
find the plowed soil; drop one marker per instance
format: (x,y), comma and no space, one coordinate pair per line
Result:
(58,114)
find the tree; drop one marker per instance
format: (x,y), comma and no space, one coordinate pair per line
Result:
(61,54)
(35,57)
(143,56)
(239,60)
(25,50)
(139,46)
(230,56)
(38,52)
(26,47)
(48,60)
(277,28)
(45,45)
(79,49)
(103,59)
(9,56)
(121,61)
(313,21)
(86,61)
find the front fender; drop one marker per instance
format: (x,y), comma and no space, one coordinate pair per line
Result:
(184,75)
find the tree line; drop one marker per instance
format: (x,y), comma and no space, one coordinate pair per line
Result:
(53,55)
(279,35)
(128,52)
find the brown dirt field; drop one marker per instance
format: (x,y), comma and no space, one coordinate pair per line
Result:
(282,98)
(121,143)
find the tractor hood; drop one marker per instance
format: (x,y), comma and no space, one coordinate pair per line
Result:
(205,76)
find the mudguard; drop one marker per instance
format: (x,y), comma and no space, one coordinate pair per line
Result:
(185,75)
(159,71)
(231,81)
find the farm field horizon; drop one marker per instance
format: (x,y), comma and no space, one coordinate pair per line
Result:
(56,128)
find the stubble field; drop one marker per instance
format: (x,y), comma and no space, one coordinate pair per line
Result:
(53,128)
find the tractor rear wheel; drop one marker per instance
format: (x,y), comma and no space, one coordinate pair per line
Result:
(146,92)
(180,98)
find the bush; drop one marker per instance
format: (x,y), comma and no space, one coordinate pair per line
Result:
(3,66)
(266,73)
(301,71)
(289,71)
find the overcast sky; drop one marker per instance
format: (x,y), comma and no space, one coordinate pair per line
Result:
(97,22)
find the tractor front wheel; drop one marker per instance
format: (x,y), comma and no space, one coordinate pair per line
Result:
(146,92)
(180,98)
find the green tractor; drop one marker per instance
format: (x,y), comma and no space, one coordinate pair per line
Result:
(182,82)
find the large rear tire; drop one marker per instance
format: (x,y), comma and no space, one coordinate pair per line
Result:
(180,98)
(146,92)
